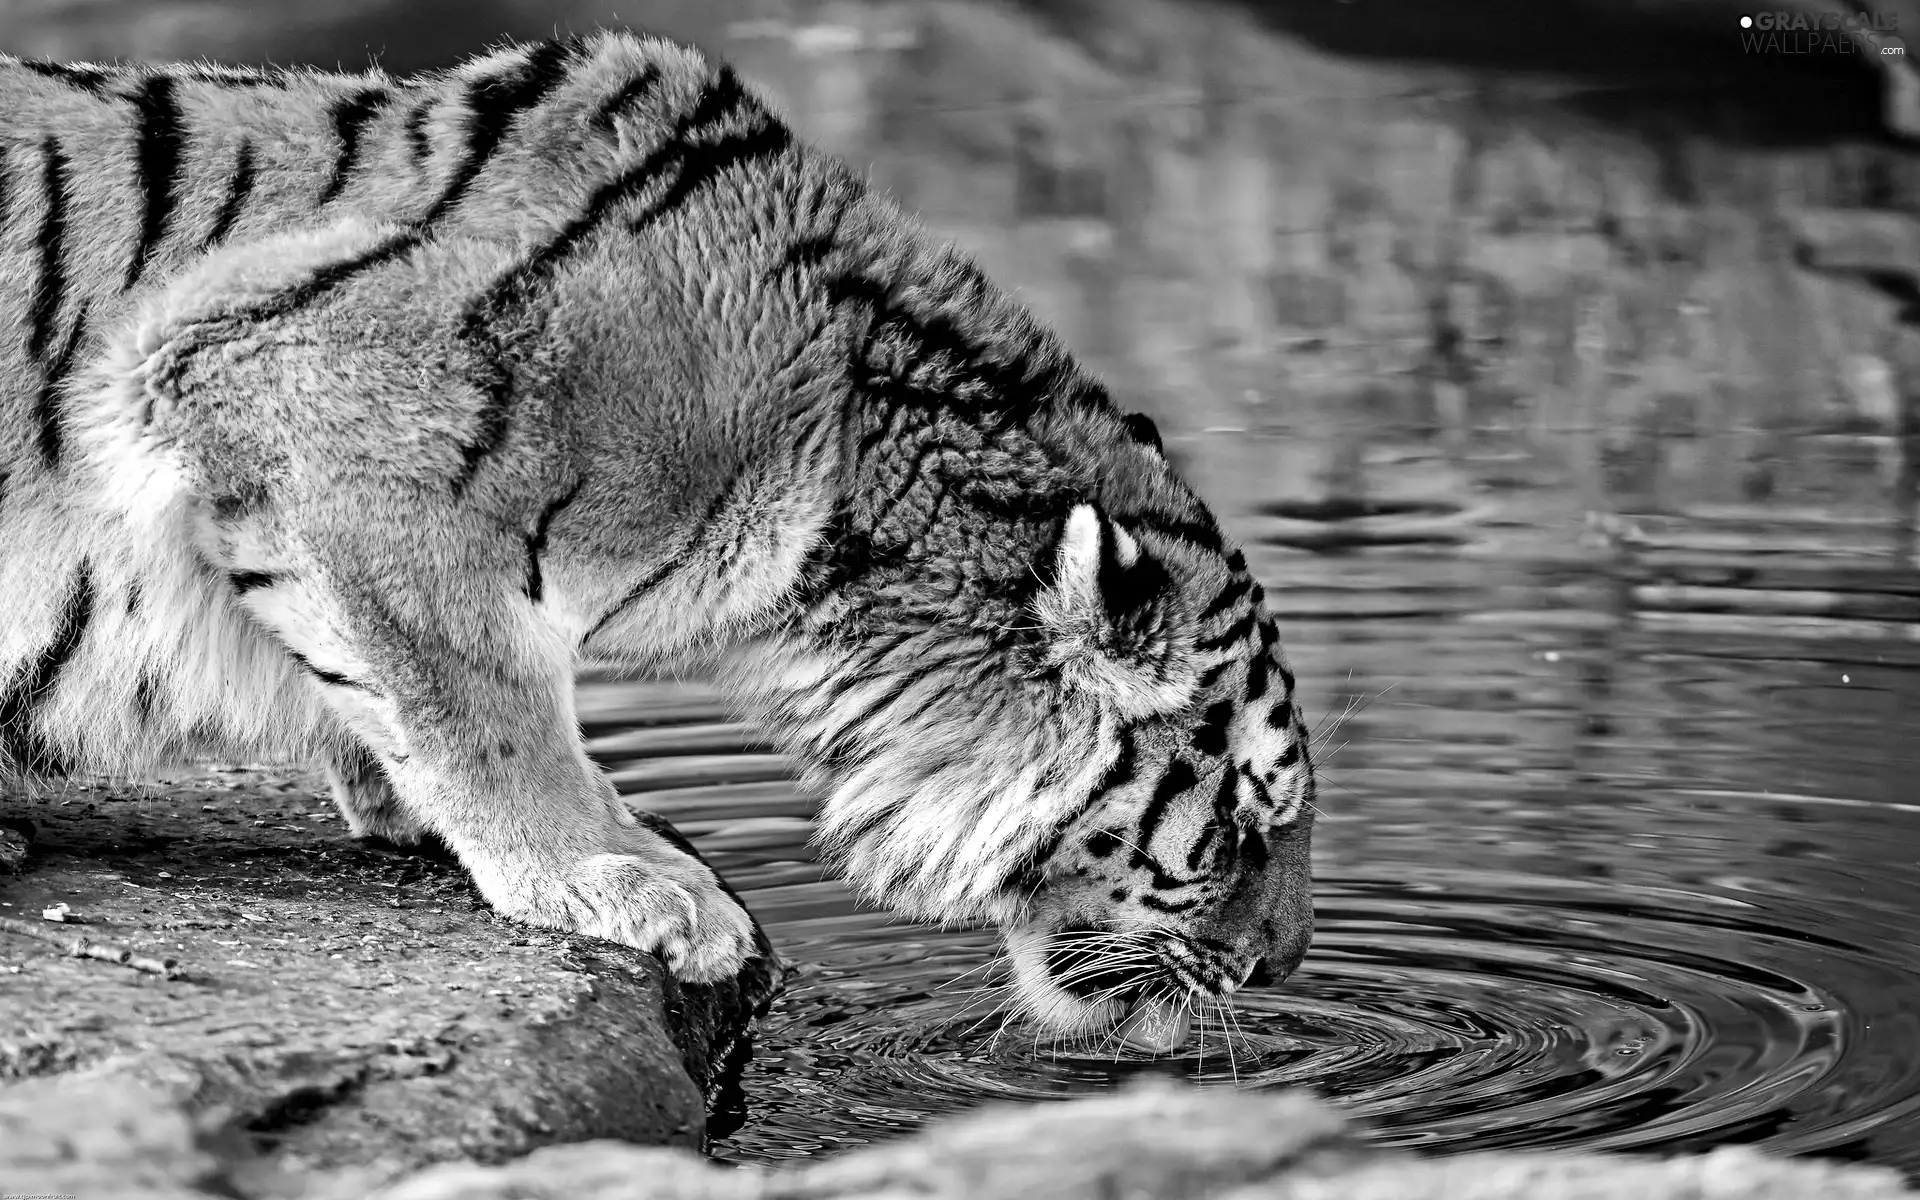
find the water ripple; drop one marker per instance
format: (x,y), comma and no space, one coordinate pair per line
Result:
(1442,1015)
(1581,884)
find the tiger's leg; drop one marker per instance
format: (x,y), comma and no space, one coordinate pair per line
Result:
(366,798)
(466,697)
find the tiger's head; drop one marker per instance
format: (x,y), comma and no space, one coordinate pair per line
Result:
(1077,725)
(1184,873)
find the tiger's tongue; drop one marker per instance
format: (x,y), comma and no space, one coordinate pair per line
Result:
(1158,1026)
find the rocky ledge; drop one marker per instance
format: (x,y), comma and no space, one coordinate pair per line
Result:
(209,961)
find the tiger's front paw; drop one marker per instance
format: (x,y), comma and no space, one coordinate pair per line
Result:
(681,914)
(650,896)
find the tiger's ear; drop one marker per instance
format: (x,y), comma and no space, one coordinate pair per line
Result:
(1110,620)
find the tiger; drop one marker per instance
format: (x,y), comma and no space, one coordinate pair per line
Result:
(348,415)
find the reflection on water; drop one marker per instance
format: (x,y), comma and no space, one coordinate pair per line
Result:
(1621,851)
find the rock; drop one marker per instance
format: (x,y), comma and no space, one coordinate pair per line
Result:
(334,1004)
(1154,1142)
(105,1142)
(16,843)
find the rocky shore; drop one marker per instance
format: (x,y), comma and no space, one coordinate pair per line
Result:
(224,950)
(1154,1142)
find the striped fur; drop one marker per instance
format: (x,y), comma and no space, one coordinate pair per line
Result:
(345,414)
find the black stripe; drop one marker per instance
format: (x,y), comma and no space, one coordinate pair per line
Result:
(1228,597)
(1257,677)
(1141,429)
(847,738)
(1262,796)
(1214,672)
(493,103)
(703,164)
(1179,777)
(135,597)
(719,101)
(513,288)
(350,115)
(1205,841)
(1124,766)
(249,581)
(239,188)
(24,747)
(630,91)
(863,828)
(1236,632)
(324,279)
(809,252)
(1210,736)
(1253,853)
(46,402)
(673,563)
(1202,532)
(937,341)
(50,284)
(517,283)
(653,580)
(6,186)
(1226,798)
(323,675)
(157,163)
(418,147)
(496,389)
(1149,900)
(87,79)
(719,98)
(537,542)
(867,824)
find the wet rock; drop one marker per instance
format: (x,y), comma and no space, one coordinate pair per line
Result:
(332,1005)
(1158,1141)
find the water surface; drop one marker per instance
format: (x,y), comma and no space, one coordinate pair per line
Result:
(1621,851)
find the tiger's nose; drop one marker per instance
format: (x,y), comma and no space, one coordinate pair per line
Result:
(1274,968)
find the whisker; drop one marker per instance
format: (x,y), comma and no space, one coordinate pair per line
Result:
(1233,1062)
(996,961)
(1356,704)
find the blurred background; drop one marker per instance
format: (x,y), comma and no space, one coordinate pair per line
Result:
(1423,251)
(1555,362)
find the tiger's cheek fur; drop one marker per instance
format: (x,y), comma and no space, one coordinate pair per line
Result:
(940,772)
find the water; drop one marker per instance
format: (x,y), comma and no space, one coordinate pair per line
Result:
(1602,867)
